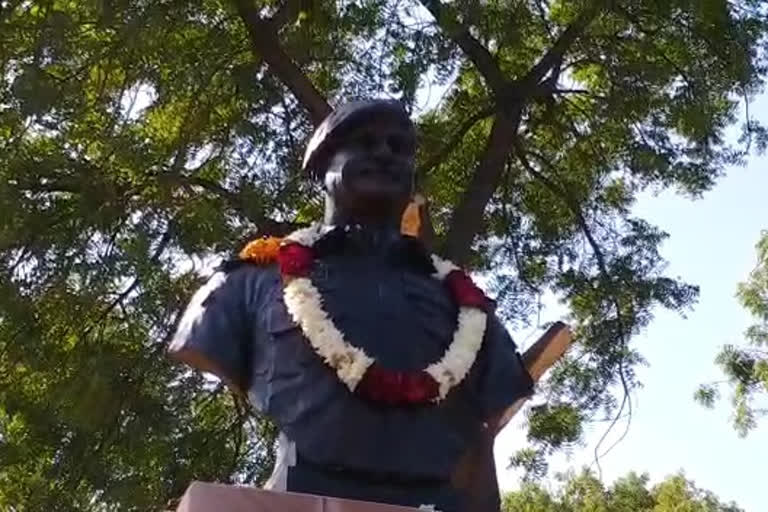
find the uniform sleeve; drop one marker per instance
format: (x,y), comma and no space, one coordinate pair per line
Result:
(213,334)
(505,380)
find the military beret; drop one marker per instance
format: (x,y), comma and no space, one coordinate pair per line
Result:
(340,121)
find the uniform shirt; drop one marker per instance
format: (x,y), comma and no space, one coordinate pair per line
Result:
(380,294)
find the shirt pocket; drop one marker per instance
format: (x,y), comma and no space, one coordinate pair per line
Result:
(289,344)
(279,321)
(433,307)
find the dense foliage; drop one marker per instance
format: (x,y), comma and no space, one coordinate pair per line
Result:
(142,139)
(585,493)
(746,367)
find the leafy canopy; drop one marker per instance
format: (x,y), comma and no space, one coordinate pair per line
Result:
(583,492)
(140,140)
(746,367)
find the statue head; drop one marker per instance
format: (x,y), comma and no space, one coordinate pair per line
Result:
(364,154)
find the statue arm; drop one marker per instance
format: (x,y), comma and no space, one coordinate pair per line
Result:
(504,378)
(213,335)
(525,369)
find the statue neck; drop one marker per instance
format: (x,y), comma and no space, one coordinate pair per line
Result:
(366,239)
(372,232)
(374,219)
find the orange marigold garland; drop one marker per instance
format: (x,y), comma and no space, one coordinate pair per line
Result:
(262,251)
(410,223)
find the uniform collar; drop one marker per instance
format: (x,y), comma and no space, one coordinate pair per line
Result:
(396,248)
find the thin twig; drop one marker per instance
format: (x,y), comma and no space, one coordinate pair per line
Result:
(601,262)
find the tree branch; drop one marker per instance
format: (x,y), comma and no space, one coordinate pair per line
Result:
(467,218)
(621,327)
(555,54)
(572,205)
(287,12)
(512,96)
(486,64)
(455,139)
(162,245)
(266,44)
(264,225)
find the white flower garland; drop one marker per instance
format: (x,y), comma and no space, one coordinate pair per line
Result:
(304,303)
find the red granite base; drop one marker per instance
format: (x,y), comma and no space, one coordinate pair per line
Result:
(207,497)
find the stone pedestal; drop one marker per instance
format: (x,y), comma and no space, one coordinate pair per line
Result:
(206,497)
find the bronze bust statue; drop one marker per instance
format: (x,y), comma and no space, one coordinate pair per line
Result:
(380,363)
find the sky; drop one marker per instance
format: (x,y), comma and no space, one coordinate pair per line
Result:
(711,244)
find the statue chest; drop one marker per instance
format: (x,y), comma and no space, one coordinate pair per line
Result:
(405,319)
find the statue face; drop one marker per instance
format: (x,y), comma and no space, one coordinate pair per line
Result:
(371,171)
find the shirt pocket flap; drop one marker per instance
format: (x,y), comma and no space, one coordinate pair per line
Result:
(279,320)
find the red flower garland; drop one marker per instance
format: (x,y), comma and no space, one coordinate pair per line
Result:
(379,384)
(295,260)
(465,291)
(397,388)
